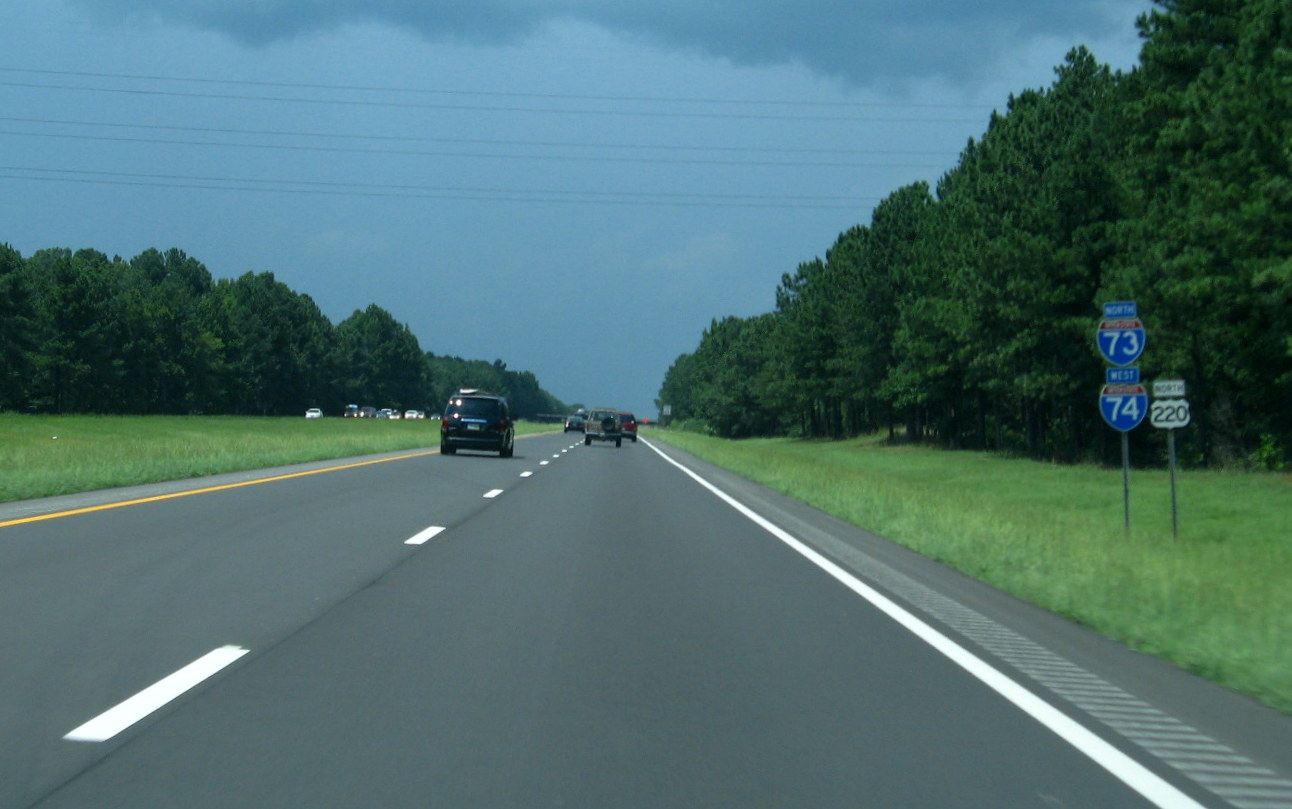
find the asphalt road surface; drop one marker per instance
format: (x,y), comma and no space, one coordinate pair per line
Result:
(577,626)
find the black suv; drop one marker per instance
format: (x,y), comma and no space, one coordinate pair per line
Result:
(474,420)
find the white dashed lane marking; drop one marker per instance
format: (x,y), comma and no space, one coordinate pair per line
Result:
(424,536)
(114,720)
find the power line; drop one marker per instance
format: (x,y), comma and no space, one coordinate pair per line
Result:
(487,108)
(480,141)
(500,94)
(333,188)
(471,155)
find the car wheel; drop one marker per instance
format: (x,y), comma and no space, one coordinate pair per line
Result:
(587,440)
(619,442)
(446,449)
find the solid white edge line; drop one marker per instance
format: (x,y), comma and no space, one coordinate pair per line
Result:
(424,536)
(492,493)
(116,719)
(1126,769)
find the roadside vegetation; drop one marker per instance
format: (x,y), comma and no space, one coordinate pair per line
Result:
(157,335)
(1214,601)
(48,455)
(964,313)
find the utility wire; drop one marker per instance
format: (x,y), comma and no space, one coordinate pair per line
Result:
(498,94)
(436,188)
(411,192)
(487,108)
(472,155)
(478,141)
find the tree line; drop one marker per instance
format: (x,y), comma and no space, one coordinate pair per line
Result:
(965,314)
(84,333)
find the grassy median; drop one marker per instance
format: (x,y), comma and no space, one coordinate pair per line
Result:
(1216,601)
(48,455)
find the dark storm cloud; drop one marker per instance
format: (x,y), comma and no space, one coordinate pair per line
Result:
(261,22)
(861,42)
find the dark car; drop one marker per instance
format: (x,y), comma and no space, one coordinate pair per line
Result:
(366,412)
(575,423)
(628,425)
(475,420)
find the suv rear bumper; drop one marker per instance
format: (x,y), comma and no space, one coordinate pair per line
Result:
(493,444)
(460,438)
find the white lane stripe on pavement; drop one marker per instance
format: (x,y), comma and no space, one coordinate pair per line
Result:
(424,536)
(492,493)
(114,720)
(1126,769)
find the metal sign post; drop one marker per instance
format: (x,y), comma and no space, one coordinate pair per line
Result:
(1175,510)
(1124,407)
(1170,412)
(1126,482)
(1123,402)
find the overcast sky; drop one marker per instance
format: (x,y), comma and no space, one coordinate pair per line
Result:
(576,187)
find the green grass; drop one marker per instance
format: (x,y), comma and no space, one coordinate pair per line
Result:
(48,455)
(1216,601)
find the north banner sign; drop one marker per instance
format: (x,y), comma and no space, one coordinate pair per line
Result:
(1123,406)
(1168,389)
(1118,310)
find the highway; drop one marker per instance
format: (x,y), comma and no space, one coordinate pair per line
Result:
(576,626)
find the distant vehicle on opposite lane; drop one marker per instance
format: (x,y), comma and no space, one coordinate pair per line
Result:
(313,413)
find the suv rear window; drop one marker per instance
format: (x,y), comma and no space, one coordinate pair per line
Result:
(478,408)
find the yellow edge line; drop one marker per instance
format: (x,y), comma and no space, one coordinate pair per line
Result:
(209,489)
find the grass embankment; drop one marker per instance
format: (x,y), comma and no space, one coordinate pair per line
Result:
(48,455)
(1216,601)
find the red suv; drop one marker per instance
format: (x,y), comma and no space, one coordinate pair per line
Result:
(628,426)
